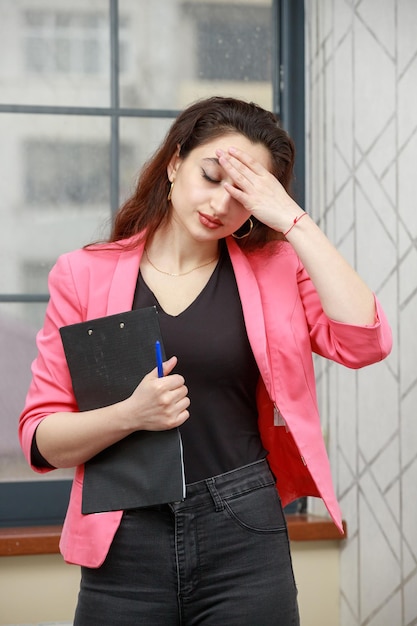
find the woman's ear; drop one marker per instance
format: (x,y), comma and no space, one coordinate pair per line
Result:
(174,164)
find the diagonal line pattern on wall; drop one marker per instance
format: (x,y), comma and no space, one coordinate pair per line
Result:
(363,149)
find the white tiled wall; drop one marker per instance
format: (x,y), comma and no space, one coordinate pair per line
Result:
(362,163)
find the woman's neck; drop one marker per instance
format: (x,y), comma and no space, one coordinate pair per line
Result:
(176,254)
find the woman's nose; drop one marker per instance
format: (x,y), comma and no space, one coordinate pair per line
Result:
(220,201)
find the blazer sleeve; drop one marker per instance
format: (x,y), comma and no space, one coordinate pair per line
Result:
(50,390)
(351,345)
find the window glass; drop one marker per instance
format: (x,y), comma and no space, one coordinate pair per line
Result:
(57,52)
(71,173)
(143,135)
(66,41)
(19,323)
(54,192)
(233,42)
(17,339)
(209,48)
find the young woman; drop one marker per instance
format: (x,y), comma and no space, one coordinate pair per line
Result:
(247,287)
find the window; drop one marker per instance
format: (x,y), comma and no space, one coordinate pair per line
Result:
(69,173)
(234,42)
(88,92)
(68,42)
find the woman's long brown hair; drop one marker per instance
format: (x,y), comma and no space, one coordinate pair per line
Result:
(148,207)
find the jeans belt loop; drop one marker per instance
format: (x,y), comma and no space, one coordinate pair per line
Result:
(218,502)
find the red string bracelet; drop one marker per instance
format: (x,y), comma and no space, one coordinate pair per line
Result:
(296,220)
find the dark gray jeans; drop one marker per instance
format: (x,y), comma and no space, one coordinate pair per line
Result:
(220,557)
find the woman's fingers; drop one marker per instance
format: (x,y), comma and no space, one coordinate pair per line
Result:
(241,166)
(257,189)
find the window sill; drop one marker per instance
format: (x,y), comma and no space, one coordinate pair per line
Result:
(45,539)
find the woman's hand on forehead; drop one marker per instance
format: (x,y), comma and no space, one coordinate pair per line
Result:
(256,188)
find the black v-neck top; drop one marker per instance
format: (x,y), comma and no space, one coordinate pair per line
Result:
(214,356)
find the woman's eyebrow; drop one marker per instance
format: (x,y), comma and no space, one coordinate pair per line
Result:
(212,160)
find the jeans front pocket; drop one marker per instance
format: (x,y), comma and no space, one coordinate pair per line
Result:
(258,510)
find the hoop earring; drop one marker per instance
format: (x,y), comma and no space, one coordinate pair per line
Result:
(246,234)
(170,191)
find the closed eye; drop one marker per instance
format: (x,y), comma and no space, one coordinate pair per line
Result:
(207,177)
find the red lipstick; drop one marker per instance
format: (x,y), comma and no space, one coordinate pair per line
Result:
(209,221)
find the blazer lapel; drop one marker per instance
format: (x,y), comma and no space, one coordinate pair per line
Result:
(123,284)
(250,298)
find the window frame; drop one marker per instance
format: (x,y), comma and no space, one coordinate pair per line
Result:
(40,502)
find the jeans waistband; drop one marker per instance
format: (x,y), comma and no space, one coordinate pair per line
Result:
(237,481)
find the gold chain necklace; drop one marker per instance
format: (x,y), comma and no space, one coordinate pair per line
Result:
(183,273)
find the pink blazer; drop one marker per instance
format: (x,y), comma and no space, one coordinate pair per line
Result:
(285,324)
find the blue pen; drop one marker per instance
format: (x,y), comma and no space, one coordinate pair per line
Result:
(159,359)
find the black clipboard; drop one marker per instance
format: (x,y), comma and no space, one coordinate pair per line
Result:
(107,358)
